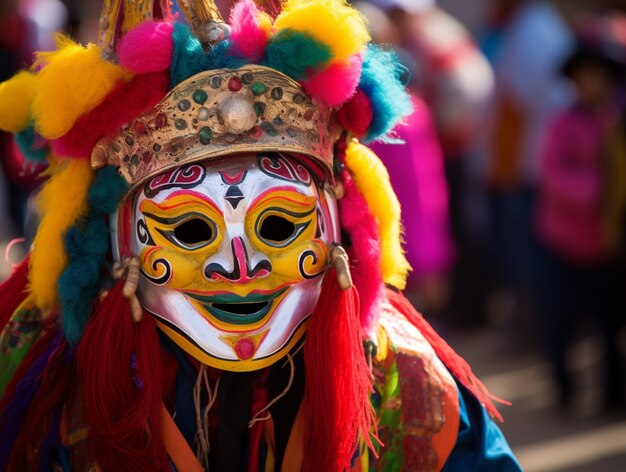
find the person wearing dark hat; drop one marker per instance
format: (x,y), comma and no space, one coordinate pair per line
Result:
(578,274)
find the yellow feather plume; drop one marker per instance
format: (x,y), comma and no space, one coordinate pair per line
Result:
(62,201)
(266,23)
(372,180)
(16,98)
(332,22)
(73,81)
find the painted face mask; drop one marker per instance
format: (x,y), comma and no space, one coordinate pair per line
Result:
(232,255)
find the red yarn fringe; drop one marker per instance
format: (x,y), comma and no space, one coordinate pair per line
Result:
(119,364)
(52,392)
(338,380)
(356,114)
(13,291)
(455,363)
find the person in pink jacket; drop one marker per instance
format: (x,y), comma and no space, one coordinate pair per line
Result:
(577,273)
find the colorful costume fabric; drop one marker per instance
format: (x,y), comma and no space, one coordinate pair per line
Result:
(188,303)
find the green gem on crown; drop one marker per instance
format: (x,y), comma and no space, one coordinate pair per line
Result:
(200,96)
(206,134)
(258,88)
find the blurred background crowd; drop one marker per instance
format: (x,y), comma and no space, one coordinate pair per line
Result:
(511,170)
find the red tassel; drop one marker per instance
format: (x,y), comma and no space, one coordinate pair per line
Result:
(13,291)
(338,380)
(455,363)
(119,364)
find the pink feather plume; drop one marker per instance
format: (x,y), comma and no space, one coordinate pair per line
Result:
(337,83)
(361,226)
(147,48)
(247,35)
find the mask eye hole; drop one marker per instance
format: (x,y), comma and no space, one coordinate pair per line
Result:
(194,232)
(276,229)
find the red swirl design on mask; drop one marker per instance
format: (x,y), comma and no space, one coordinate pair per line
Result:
(185,177)
(233,179)
(281,167)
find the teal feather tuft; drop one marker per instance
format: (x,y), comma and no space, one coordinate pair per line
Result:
(106,191)
(78,284)
(87,245)
(295,54)
(25,141)
(188,57)
(221,58)
(380,80)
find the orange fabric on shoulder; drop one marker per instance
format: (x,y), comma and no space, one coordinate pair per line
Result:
(177,448)
(444,440)
(294,452)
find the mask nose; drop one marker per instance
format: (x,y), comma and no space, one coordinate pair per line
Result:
(242,272)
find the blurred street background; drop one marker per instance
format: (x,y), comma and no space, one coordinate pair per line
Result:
(544,437)
(512,177)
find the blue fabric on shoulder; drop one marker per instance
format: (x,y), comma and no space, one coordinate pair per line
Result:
(480,445)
